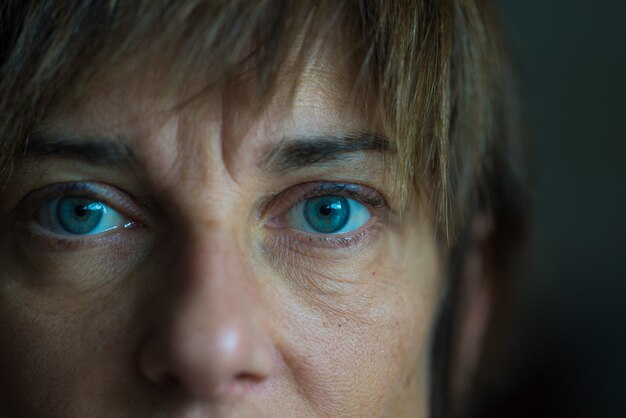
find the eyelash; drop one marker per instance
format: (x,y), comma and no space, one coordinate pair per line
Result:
(283,202)
(113,198)
(278,204)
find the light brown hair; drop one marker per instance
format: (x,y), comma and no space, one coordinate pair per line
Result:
(436,69)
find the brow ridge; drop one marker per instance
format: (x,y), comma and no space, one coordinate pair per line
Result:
(100,150)
(293,154)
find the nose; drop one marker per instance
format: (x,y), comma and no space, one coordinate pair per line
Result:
(209,341)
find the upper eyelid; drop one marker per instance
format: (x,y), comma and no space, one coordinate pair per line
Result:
(364,194)
(348,190)
(108,195)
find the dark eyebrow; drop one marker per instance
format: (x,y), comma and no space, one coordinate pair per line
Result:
(295,153)
(287,155)
(94,150)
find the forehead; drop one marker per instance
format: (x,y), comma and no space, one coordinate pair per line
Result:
(310,86)
(163,121)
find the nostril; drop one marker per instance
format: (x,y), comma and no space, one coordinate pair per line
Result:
(243,382)
(247,377)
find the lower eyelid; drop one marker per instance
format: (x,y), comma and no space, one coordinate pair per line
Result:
(298,240)
(41,236)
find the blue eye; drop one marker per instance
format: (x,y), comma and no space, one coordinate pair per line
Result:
(78,215)
(328,215)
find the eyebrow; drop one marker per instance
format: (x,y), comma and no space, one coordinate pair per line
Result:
(101,150)
(289,154)
(292,154)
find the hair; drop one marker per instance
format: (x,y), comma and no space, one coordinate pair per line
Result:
(436,69)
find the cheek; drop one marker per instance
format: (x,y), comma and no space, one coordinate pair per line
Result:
(352,330)
(357,343)
(68,351)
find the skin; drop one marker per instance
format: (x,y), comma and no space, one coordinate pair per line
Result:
(211,305)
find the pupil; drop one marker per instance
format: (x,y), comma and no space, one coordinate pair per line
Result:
(326,210)
(80,211)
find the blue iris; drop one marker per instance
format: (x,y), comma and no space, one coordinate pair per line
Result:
(79,215)
(327,214)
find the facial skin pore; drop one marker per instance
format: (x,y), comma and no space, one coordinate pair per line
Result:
(206,300)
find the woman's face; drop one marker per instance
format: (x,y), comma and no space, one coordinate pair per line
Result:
(197,261)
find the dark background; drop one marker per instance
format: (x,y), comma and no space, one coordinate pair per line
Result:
(569,357)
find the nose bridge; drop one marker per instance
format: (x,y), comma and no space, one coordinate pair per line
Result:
(210,339)
(218,287)
(212,256)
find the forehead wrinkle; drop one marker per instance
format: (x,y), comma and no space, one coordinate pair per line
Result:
(317,97)
(315,113)
(321,82)
(234,128)
(197,139)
